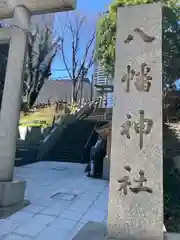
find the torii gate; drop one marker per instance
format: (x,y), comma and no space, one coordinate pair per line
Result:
(12,192)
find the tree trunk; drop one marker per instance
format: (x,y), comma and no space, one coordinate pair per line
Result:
(92,85)
(28,100)
(74,95)
(81,90)
(33,97)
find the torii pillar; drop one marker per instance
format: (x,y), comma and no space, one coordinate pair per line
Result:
(11,191)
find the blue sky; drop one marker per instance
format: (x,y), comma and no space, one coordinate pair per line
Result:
(177,83)
(90,8)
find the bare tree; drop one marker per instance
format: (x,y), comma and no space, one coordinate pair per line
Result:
(77,52)
(40,55)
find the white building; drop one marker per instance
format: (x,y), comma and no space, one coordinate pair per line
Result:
(100,79)
(99,76)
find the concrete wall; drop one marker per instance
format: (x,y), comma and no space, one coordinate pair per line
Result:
(32,134)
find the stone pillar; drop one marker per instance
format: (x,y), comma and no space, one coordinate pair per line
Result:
(136,175)
(12,192)
(10,109)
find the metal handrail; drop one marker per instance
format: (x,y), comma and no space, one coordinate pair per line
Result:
(81,111)
(87,105)
(90,136)
(87,143)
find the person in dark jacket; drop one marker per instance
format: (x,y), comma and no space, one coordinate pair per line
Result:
(98,152)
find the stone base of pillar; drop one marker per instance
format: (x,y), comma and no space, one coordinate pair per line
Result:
(92,230)
(98,231)
(8,211)
(106,168)
(12,197)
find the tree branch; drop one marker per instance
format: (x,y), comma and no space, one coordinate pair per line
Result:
(89,45)
(64,59)
(81,61)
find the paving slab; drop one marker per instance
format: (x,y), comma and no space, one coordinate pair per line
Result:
(92,231)
(98,231)
(48,216)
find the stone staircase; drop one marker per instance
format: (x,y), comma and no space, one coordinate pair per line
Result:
(70,147)
(26,153)
(100,114)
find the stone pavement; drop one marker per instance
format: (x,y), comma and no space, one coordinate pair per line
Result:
(62,199)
